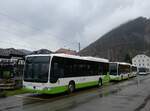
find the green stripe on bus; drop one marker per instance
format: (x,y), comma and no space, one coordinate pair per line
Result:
(53,90)
(115,78)
(86,84)
(106,78)
(118,78)
(61,89)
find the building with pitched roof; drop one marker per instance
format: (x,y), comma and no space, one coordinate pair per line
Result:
(66,51)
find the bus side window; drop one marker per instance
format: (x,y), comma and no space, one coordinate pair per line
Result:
(100,69)
(55,66)
(58,70)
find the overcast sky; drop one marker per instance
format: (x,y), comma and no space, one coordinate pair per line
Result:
(52,24)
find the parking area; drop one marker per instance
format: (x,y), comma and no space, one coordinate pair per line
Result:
(128,95)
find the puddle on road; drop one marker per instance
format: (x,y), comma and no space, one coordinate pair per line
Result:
(117,87)
(107,92)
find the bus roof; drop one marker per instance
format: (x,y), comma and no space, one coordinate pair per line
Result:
(95,59)
(73,57)
(38,55)
(122,63)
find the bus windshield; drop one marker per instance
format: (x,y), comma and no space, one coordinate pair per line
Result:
(36,69)
(113,68)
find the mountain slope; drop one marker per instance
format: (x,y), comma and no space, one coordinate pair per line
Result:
(26,52)
(130,38)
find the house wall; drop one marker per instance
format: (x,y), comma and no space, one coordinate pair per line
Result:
(141,61)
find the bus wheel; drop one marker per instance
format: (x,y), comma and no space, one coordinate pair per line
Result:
(100,82)
(71,87)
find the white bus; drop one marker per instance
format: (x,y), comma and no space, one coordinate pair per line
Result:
(55,73)
(119,71)
(134,71)
(143,71)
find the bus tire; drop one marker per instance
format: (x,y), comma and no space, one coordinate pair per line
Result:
(71,87)
(100,82)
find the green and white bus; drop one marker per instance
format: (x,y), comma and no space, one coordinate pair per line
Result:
(134,71)
(55,73)
(119,71)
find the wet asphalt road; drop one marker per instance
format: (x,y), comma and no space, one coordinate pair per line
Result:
(128,95)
